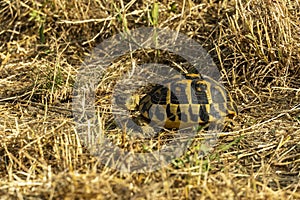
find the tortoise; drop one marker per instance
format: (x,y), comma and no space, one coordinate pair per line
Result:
(184,101)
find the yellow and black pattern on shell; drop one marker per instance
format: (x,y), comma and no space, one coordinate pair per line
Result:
(186,101)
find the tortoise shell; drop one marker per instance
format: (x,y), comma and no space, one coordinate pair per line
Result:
(186,101)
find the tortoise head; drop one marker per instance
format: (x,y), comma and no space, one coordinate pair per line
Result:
(132,102)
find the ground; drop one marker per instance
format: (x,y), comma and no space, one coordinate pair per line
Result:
(43,44)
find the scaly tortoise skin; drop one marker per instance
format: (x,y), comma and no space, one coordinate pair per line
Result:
(193,100)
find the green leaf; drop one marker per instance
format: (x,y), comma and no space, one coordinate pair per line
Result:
(155,14)
(173,7)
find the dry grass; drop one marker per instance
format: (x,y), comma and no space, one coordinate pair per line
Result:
(256,47)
